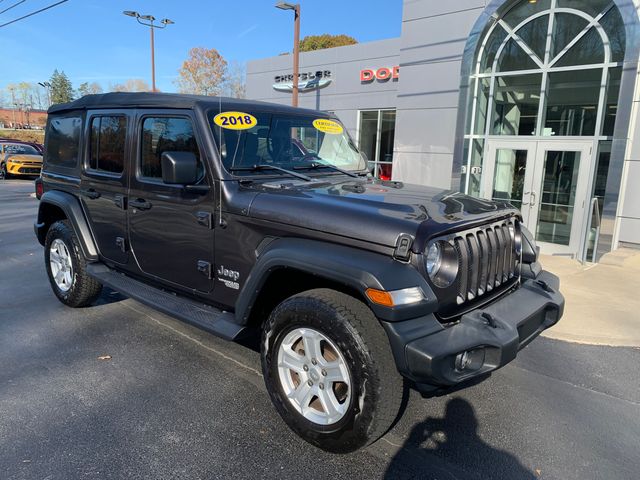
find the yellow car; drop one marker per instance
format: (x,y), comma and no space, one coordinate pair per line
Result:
(19,159)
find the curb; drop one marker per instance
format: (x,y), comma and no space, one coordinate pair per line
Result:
(599,340)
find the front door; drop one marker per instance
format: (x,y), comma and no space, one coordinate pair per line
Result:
(548,182)
(170,226)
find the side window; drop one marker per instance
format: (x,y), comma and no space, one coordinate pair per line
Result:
(108,136)
(63,141)
(165,134)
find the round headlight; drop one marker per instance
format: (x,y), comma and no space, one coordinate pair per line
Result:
(441,263)
(434,259)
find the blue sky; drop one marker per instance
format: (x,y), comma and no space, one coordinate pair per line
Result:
(92,41)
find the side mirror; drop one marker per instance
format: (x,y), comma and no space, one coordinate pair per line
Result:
(179,168)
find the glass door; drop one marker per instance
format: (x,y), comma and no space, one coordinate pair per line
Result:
(548,182)
(561,183)
(508,173)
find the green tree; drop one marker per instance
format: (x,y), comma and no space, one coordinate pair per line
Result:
(319,42)
(61,88)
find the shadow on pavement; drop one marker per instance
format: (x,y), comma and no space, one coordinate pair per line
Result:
(453,439)
(109,296)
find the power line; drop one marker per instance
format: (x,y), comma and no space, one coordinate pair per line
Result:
(33,13)
(12,6)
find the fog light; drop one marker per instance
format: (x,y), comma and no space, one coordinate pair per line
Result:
(469,360)
(462,361)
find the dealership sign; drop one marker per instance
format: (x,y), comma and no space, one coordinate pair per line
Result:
(381,74)
(307,81)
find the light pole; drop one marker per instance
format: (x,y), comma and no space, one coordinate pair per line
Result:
(296,45)
(47,87)
(148,22)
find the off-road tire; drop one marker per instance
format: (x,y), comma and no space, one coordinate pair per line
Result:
(377,387)
(84,289)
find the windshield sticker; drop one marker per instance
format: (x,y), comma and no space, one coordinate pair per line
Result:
(327,126)
(235,120)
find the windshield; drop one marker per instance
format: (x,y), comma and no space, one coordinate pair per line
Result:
(293,142)
(14,149)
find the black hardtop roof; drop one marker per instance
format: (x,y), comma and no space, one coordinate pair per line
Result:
(171,100)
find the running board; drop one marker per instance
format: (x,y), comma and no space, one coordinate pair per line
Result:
(202,316)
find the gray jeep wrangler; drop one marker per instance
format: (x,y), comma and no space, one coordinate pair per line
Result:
(247,218)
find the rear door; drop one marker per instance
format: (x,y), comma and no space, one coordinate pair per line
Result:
(103,183)
(171,226)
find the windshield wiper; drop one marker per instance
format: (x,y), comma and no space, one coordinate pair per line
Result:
(257,168)
(315,165)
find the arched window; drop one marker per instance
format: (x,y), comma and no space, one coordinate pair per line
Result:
(545,68)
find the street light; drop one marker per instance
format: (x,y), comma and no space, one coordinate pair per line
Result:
(148,22)
(47,87)
(296,45)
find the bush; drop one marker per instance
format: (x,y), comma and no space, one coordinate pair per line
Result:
(24,135)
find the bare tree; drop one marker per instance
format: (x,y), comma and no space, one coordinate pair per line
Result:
(87,88)
(131,85)
(235,81)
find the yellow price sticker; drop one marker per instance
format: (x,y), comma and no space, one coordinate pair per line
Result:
(327,126)
(235,120)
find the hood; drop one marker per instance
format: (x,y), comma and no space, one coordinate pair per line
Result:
(373,210)
(25,158)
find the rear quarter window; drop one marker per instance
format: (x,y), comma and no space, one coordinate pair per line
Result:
(63,141)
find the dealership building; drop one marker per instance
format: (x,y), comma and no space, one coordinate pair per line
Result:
(535,101)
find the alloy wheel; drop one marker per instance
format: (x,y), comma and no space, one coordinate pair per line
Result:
(314,376)
(61,266)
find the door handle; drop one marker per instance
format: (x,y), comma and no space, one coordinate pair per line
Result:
(90,193)
(533,198)
(140,204)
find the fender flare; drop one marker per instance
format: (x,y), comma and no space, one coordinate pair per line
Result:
(74,213)
(355,268)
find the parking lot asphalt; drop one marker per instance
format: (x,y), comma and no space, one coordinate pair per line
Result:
(175,402)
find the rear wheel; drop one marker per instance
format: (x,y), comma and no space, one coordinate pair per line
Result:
(66,267)
(330,371)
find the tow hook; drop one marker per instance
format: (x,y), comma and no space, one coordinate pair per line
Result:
(545,286)
(489,320)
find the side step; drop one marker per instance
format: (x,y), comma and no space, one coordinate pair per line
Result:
(202,316)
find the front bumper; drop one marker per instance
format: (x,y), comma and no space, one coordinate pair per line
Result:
(431,354)
(23,169)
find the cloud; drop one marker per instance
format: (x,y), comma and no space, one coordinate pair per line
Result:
(247,31)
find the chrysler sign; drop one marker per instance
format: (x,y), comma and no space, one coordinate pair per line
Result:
(307,81)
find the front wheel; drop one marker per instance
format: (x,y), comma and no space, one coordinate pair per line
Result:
(329,370)
(3,171)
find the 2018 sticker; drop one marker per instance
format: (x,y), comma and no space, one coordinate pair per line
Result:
(327,126)
(235,120)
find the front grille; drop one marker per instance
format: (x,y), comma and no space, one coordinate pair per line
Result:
(487,259)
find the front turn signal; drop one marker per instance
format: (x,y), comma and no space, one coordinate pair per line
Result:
(395,298)
(379,297)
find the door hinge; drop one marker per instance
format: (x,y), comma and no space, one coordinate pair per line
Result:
(205,219)
(121,243)
(204,268)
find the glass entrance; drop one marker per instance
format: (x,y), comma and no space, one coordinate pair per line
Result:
(547,181)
